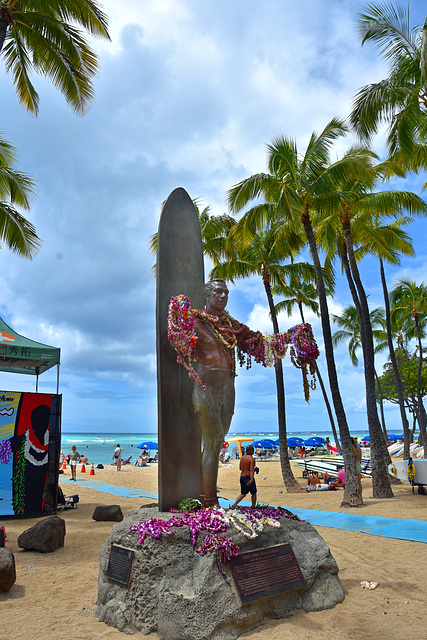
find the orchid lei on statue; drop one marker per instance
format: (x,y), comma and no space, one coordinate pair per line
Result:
(265,349)
(215,522)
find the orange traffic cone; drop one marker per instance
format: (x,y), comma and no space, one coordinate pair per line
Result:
(64,465)
(92,470)
(83,469)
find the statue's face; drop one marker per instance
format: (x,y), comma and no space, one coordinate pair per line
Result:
(218,299)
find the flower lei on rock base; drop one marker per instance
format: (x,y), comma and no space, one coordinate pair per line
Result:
(265,349)
(215,522)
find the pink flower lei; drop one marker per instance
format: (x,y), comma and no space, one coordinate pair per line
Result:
(215,523)
(182,335)
(264,349)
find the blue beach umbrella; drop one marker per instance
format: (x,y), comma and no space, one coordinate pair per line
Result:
(393,437)
(295,442)
(277,443)
(316,441)
(264,444)
(148,445)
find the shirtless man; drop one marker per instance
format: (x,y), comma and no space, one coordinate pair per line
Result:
(214,407)
(247,480)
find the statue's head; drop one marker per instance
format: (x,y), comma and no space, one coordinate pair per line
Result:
(212,286)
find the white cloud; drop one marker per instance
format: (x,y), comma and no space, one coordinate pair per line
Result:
(188,94)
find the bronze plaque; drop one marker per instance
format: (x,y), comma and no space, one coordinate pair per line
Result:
(120,564)
(264,573)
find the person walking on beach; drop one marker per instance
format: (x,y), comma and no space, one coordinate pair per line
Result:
(74,456)
(247,480)
(117,457)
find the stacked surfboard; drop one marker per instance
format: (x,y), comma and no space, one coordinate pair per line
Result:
(400,470)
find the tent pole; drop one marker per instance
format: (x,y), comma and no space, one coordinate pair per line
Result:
(37,382)
(57,378)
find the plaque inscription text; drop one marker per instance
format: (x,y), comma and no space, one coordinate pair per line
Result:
(120,564)
(265,573)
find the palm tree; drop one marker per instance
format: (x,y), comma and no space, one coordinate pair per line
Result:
(215,230)
(387,240)
(298,292)
(43,36)
(349,331)
(359,205)
(400,100)
(263,257)
(295,187)
(16,190)
(409,297)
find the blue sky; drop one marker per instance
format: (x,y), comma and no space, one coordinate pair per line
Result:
(188,94)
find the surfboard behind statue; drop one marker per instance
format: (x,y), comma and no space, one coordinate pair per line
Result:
(179,270)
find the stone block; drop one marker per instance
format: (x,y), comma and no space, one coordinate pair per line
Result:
(45,536)
(181,595)
(7,570)
(111,512)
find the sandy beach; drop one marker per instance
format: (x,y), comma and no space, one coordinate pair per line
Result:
(54,595)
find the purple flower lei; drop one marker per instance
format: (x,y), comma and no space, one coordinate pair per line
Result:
(214,522)
(5,451)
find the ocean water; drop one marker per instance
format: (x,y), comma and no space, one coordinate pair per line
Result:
(99,447)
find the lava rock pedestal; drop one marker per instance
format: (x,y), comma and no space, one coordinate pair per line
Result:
(182,595)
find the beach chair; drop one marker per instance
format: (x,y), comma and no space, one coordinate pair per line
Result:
(66,502)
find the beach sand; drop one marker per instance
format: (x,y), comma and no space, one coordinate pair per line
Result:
(54,595)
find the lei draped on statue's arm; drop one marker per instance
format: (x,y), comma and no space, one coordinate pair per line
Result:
(266,349)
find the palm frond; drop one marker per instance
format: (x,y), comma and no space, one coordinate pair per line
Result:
(17,233)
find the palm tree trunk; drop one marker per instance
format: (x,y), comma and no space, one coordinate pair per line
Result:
(397,378)
(356,301)
(354,295)
(380,395)
(380,481)
(352,495)
(421,409)
(291,484)
(352,287)
(325,395)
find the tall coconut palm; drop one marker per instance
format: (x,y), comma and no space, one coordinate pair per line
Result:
(410,297)
(16,190)
(214,229)
(359,202)
(44,36)
(264,257)
(296,186)
(388,240)
(349,331)
(400,100)
(303,293)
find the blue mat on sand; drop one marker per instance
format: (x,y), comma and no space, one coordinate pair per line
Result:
(415,530)
(112,489)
